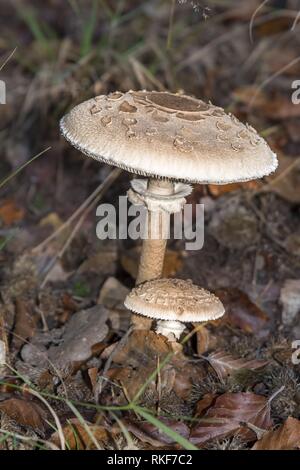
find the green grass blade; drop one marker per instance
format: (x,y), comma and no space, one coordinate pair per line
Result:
(152,376)
(88,31)
(28,15)
(165,429)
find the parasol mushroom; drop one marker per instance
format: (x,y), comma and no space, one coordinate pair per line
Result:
(173,140)
(173,302)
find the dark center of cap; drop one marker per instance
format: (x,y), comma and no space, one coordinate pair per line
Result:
(176,102)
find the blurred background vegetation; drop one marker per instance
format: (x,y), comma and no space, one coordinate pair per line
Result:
(242,55)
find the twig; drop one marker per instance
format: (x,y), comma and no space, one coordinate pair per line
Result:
(27,381)
(282,174)
(253,18)
(269,79)
(192,332)
(259,432)
(43,318)
(158,386)
(99,386)
(12,175)
(274,395)
(4,350)
(7,59)
(29,439)
(198,54)
(129,401)
(55,417)
(295,22)
(84,424)
(103,186)
(262,218)
(130,444)
(101,190)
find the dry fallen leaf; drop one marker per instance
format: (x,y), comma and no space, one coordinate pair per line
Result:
(25,323)
(286,437)
(203,404)
(227,415)
(147,432)
(78,435)
(124,384)
(140,356)
(93,374)
(275,107)
(240,311)
(83,332)
(225,364)
(186,375)
(10,213)
(274,25)
(24,412)
(217,190)
(205,340)
(103,261)
(143,347)
(139,359)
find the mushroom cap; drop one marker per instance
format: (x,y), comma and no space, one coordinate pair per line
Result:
(174,299)
(166,135)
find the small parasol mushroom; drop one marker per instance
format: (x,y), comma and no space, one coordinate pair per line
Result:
(173,302)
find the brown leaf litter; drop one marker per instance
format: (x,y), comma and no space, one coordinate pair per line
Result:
(285,437)
(225,364)
(227,415)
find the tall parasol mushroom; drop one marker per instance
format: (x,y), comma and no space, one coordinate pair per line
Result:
(173,140)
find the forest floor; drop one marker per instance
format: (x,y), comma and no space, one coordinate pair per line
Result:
(235,383)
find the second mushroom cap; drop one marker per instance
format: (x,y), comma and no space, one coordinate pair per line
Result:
(174,299)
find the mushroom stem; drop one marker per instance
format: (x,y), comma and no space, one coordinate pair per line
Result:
(170,328)
(154,246)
